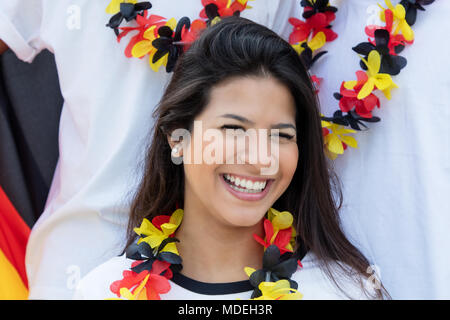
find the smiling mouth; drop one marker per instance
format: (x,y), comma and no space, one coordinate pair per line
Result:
(241,184)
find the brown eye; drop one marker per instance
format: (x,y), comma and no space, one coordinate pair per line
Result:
(285,136)
(231,126)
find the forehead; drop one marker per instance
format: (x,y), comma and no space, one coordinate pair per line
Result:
(259,99)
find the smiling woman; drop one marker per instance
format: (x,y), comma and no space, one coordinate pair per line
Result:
(237,77)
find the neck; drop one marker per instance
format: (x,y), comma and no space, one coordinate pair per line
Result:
(216,253)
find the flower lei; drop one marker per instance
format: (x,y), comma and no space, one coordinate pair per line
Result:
(379,60)
(165,40)
(157,258)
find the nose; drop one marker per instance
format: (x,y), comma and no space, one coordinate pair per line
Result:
(259,151)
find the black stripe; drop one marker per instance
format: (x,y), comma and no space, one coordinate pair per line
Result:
(211,288)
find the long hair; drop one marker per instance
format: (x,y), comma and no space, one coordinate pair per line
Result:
(237,47)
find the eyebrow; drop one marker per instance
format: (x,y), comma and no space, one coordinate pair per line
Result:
(245,120)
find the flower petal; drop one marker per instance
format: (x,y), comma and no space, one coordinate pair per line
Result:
(142,48)
(334,144)
(366,89)
(249,271)
(146,228)
(374,62)
(177,217)
(317,42)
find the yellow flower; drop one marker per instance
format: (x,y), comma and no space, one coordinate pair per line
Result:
(215,21)
(291,244)
(145,46)
(243,2)
(317,42)
(333,140)
(400,23)
(382,81)
(153,236)
(282,220)
(279,290)
(114,5)
(249,271)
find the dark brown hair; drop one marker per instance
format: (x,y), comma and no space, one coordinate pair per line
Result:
(237,47)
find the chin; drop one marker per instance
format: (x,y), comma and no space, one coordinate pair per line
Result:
(243,217)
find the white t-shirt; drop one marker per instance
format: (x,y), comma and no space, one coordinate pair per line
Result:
(312,283)
(397,183)
(104,128)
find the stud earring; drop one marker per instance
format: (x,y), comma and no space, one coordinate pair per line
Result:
(176,159)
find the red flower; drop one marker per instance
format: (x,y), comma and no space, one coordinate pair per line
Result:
(189,36)
(159,220)
(130,280)
(144,22)
(301,31)
(316,82)
(349,98)
(281,240)
(317,23)
(156,284)
(394,40)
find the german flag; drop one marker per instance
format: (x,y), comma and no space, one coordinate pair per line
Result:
(14,233)
(30,109)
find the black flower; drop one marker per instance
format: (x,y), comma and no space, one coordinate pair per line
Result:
(307,56)
(143,251)
(317,6)
(411,7)
(275,267)
(391,64)
(128,12)
(351,119)
(168,43)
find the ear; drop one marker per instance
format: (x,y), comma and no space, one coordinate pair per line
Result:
(176,146)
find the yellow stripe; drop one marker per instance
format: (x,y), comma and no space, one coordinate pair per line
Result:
(11,285)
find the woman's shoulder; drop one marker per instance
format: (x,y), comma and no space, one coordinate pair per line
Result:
(314,283)
(96,284)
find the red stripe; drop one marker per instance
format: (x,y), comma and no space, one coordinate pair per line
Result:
(14,233)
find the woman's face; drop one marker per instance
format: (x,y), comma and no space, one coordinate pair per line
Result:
(226,176)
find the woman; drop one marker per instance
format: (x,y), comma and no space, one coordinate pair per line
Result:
(237,77)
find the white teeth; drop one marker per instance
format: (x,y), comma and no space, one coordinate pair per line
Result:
(245,185)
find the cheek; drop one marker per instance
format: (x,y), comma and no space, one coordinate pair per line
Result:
(288,162)
(199,172)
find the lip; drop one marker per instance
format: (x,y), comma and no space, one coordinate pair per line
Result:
(248,196)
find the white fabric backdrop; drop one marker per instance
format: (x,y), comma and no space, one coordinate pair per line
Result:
(396,183)
(104,127)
